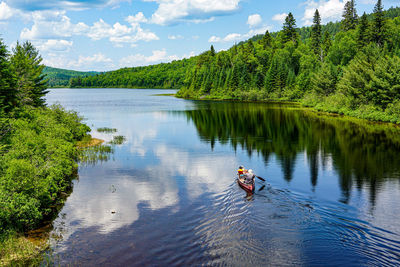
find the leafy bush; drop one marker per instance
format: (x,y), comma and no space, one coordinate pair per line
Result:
(37,164)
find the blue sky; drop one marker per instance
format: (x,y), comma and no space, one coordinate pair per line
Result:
(104,35)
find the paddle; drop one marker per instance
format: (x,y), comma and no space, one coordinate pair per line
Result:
(262,179)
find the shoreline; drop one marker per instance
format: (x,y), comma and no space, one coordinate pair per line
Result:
(89,143)
(301,106)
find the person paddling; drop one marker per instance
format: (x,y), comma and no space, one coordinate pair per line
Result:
(242,173)
(249,176)
(241,170)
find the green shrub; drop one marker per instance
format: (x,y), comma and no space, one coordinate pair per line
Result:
(37,164)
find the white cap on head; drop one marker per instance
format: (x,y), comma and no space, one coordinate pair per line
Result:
(250,171)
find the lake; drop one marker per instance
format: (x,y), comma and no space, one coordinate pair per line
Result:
(168,196)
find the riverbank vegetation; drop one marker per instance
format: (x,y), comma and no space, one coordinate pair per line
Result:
(37,152)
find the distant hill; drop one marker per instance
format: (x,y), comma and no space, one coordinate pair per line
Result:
(60,77)
(163,75)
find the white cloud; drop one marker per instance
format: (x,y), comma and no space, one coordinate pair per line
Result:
(157,56)
(96,62)
(135,20)
(172,11)
(233,37)
(280,17)
(56,25)
(101,29)
(119,34)
(40,5)
(175,37)
(254,20)
(237,36)
(140,59)
(55,45)
(96,58)
(214,39)
(52,25)
(330,10)
(5,11)
(145,35)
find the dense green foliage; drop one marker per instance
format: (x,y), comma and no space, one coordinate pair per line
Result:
(37,144)
(37,163)
(354,72)
(8,98)
(168,75)
(60,77)
(21,80)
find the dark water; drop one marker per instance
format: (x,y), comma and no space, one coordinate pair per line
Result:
(167,196)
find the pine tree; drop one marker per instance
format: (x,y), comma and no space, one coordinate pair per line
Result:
(316,35)
(8,99)
(324,81)
(249,56)
(363,31)
(258,78)
(378,31)
(289,29)
(212,51)
(31,84)
(326,43)
(248,49)
(349,16)
(266,40)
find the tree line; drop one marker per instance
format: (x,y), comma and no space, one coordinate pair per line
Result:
(164,75)
(355,72)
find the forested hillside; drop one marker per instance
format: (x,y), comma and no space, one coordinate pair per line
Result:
(356,72)
(60,77)
(164,75)
(349,67)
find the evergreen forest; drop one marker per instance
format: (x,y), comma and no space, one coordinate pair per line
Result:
(349,67)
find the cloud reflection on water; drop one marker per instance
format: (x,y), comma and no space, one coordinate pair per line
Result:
(121,186)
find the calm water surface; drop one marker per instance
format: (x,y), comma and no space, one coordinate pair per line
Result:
(167,196)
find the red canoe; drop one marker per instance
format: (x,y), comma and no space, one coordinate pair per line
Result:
(248,187)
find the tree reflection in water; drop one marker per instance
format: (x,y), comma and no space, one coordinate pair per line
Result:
(362,153)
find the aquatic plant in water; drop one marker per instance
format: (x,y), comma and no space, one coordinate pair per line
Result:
(106,130)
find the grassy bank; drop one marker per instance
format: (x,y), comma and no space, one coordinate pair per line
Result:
(19,250)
